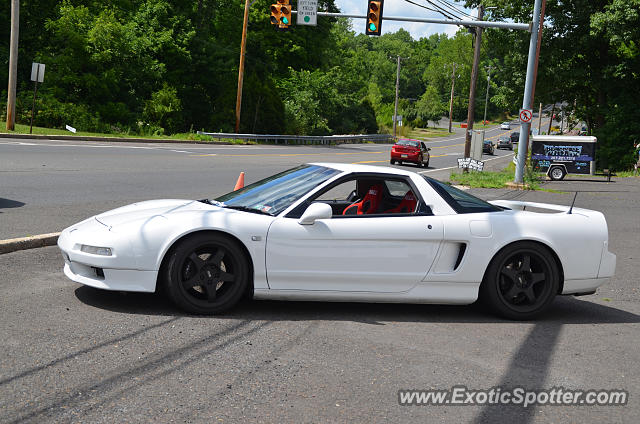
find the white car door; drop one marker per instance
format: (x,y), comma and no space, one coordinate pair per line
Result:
(356,253)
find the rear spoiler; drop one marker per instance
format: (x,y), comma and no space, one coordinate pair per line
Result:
(521,206)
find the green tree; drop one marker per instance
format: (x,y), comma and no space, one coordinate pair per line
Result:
(430,107)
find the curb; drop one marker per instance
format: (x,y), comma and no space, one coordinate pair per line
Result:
(116,139)
(32,242)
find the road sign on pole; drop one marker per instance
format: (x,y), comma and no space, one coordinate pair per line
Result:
(307,12)
(526,115)
(37,71)
(37,75)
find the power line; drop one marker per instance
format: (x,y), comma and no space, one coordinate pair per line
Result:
(454,7)
(428,8)
(447,13)
(447,8)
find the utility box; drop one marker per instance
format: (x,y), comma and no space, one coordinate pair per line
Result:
(559,155)
(477,141)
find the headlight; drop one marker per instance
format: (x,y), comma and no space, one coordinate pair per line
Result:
(96,250)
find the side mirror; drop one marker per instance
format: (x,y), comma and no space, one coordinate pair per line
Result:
(428,149)
(315,211)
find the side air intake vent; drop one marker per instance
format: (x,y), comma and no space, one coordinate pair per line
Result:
(463,248)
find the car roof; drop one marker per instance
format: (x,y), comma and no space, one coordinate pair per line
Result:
(350,167)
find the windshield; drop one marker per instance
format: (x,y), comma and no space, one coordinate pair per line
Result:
(459,200)
(407,143)
(276,193)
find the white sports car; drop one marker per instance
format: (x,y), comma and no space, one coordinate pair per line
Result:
(340,232)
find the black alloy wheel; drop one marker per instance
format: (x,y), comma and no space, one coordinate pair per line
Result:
(206,274)
(521,281)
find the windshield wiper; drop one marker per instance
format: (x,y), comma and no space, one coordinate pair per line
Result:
(246,209)
(212,202)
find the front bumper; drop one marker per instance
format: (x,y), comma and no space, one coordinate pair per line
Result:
(117,272)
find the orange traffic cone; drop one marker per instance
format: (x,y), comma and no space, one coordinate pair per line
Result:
(240,182)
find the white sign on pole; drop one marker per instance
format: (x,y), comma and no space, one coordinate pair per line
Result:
(37,71)
(307,12)
(525,115)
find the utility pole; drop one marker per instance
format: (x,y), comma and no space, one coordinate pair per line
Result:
(535,72)
(241,67)
(453,82)
(540,120)
(472,88)
(395,109)
(528,90)
(486,98)
(13,65)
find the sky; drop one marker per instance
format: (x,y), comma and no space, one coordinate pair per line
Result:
(402,8)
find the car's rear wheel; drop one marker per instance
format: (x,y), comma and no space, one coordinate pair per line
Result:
(521,281)
(392,162)
(206,273)
(420,163)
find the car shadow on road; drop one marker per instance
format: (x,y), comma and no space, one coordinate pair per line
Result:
(565,310)
(8,204)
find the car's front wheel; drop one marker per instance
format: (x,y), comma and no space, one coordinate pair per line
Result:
(206,273)
(521,281)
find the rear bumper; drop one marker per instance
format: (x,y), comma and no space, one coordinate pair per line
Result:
(582,286)
(410,157)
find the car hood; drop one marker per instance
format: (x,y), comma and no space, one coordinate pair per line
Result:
(148,210)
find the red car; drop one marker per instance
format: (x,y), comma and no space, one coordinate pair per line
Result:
(409,150)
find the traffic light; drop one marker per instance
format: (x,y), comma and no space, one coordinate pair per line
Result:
(374,18)
(281,14)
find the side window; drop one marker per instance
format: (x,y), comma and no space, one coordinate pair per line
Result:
(342,192)
(397,188)
(370,196)
(422,146)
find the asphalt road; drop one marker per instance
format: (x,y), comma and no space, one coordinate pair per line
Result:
(74,354)
(47,185)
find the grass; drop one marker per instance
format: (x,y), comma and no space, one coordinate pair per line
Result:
(494,179)
(24,129)
(626,174)
(428,133)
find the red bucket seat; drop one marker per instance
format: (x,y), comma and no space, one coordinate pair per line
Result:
(368,205)
(407,205)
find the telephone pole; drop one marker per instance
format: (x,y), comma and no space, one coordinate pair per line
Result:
(453,82)
(472,88)
(486,98)
(13,65)
(241,66)
(395,109)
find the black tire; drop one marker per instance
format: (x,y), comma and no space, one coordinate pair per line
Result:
(426,165)
(420,164)
(206,274)
(521,281)
(392,162)
(557,173)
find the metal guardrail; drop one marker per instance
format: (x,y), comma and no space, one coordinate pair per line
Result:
(303,139)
